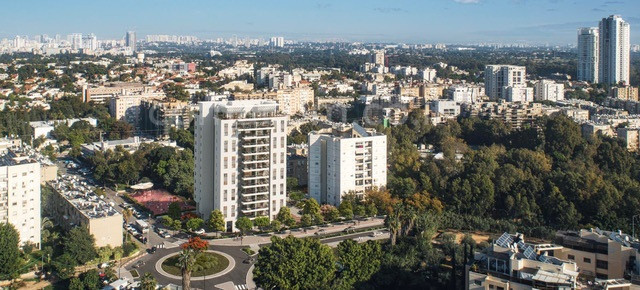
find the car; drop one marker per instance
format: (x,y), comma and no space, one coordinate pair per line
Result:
(152,250)
(349,229)
(375,234)
(200,232)
(139,264)
(165,235)
(321,231)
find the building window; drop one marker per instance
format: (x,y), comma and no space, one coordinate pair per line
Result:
(233,178)
(586,260)
(226,161)
(275,158)
(224,211)
(233,194)
(274,189)
(233,210)
(233,162)
(282,126)
(224,196)
(226,129)
(282,157)
(600,264)
(282,142)
(233,146)
(275,140)
(273,176)
(226,146)
(281,173)
(224,179)
(571,257)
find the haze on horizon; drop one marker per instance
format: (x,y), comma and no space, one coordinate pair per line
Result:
(409,21)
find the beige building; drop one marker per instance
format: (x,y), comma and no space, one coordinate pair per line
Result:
(630,137)
(290,101)
(432,91)
(514,114)
(127,107)
(600,254)
(625,93)
(103,93)
(75,204)
(238,86)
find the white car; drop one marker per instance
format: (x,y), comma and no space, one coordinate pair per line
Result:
(376,234)
(200,232)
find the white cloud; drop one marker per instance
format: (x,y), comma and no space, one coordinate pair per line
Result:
(467,1)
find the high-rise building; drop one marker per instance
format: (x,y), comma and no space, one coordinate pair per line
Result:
(76,41)
(20,194)
(240,159)
(498,79)
(130,40)
(90,42)
(614,50)
(377,57)
(588,54)
(345,159)
(548,90)
(276,42)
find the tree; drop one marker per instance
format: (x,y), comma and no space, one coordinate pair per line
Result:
(186,261)
(75,284)
(174,211)
(80,245)
(244,224)
(360,210)
(332,215)
(346,209)
(91,279)
(261,222)
(311,207)
(148,282)
(358,262)
(127,214)
(9,252)
(65,265)
(216,221)
(276,225)
(293,263)
(305,221)
(194,224)
(284,216)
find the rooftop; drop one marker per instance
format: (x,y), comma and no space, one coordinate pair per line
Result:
(82,197)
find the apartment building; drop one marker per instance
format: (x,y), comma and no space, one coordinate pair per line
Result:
(630,138)
(512,263)
(344,159)
(548,90)
(20,194)
(74,203)
(625,93)
(514,114)
(101,94)
(600,254)
(614,50)
(240,159)
(588,54)
(499,78)
(291,101)
(157,117)
(127,107)
(465,93)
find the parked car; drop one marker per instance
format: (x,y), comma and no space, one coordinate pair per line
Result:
(165,235)
(200,232)
(349,229)
(375,234)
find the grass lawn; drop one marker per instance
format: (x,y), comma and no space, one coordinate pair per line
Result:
(170,265)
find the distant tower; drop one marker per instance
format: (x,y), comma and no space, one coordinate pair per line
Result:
(130,40)
(614,50)
(377,57)
(588,54)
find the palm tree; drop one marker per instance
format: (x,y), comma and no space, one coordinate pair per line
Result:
(45,225)
(186,262)
(127,214)
(148,282)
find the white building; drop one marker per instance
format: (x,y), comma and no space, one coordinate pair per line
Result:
(343,159)
(240,159)
(444,108)
(428,74)
(20,194)
(377,57)
(497,78)
(588,54)
(518,94)
(548,90)
(614,50)
(465,93)
(276,41)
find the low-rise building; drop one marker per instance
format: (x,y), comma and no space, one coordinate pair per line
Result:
(127,107)
(130,144)
(630,138)
(514,114)
(44,128)
(625,93)
(74,203)
(103,93)
(548,90)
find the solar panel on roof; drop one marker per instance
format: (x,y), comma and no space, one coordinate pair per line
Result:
(544,259)
(504,241)
(521,245)
(529,253)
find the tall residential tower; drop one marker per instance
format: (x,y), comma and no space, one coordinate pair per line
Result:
(240,159)
(588,54)
(614,50)
(130,40)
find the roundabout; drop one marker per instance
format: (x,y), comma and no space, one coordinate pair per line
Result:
(165,266)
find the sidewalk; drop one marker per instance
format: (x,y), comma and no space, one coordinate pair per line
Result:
(299,233)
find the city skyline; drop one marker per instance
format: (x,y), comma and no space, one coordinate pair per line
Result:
(445,21)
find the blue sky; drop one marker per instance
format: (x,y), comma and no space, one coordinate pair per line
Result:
(411,21)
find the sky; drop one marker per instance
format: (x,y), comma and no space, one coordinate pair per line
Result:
(406,21)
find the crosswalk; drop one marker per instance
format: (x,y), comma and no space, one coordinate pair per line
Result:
(241,287)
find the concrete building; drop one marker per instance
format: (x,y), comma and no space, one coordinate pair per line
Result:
(497,78)
(518,94)
(548,90)
(377,57)
(103,93)
(159,116)
(614,50)
(630,137)
(291,101)
(344,159)
(427,74)
(240,159)
(127,107)
(511,263)
(514,114)
(600,254)
(465,93)
(445,108)
(588,54)
(20,194)
(625,93)
(44,128)
(75,204)
(131,145)
(130,40)
(276,42)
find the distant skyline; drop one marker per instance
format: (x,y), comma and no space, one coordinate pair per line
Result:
(410,21)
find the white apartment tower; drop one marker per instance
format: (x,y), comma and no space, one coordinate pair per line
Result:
(20,195)
(240,159)
(344,159)
(377,57)
(614,50)
(588,54)
(499,78)
(548,90)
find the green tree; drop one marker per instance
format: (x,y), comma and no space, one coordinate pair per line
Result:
(346,209)
(75,284)
(187,261)
(261,222)
(216,221)
(80,245)
(91,279)
(333,215)
(244,224)
(284,216)
(148,282)
(174,211)
(276,225)
(194,224)
(306,220)
(311,207)
(358,262)
(65,265)
(293,263)
(9,252)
